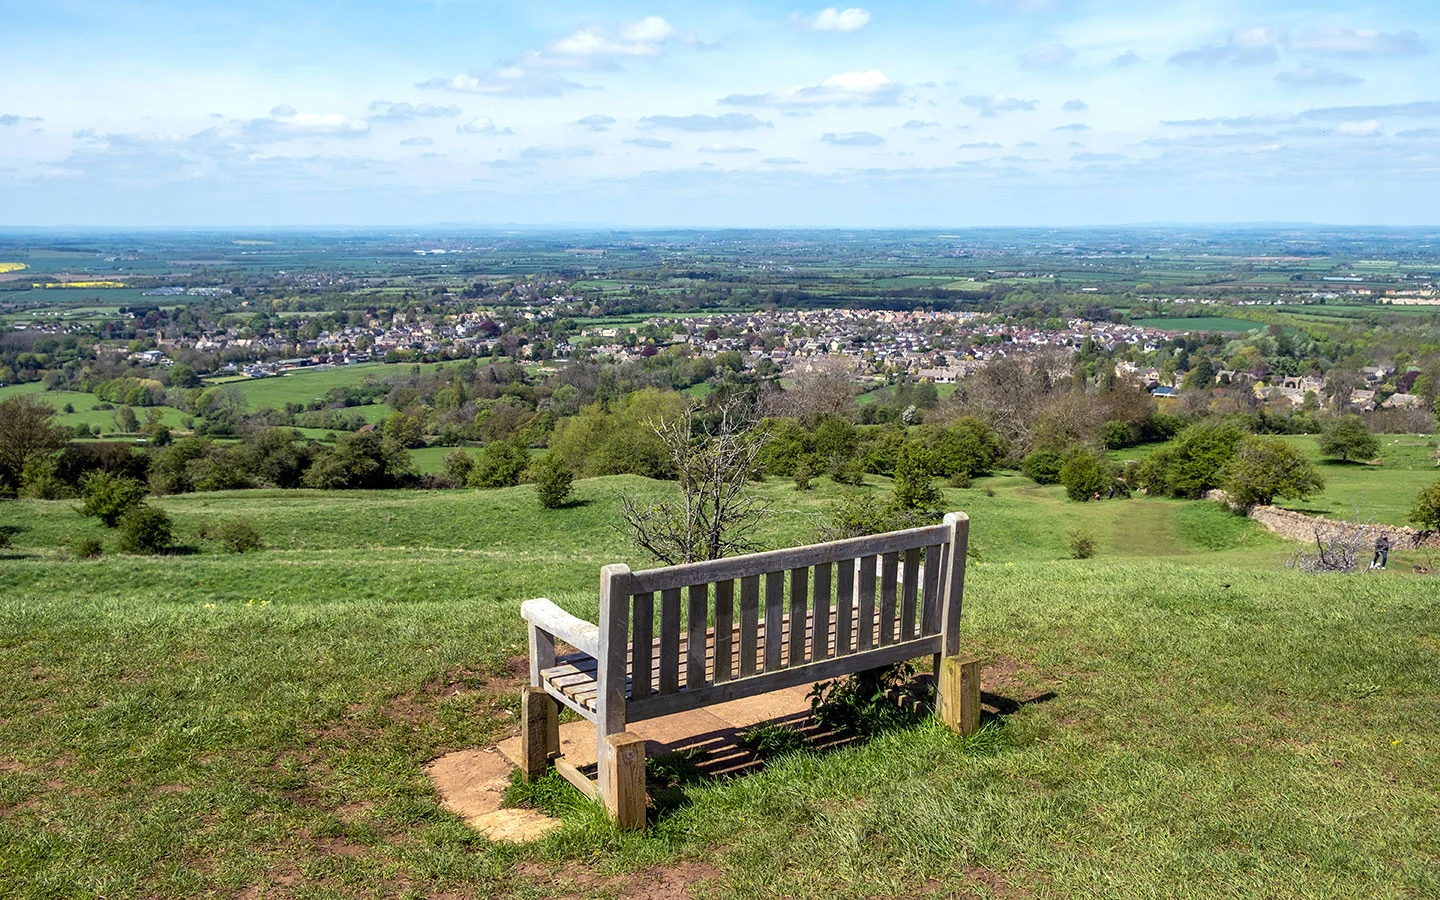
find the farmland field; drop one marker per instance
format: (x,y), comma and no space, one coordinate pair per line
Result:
(1202,323)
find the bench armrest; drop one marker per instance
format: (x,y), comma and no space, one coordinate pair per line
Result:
(551,619)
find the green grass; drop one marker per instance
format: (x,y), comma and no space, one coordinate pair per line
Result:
(303,385)
(258,725)
(1383,492)
(1205,323)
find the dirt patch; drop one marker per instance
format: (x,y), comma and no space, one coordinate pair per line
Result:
(472,784)
(678,882)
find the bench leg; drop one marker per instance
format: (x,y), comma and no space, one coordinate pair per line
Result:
(623,782)
(539,727)
(957,700)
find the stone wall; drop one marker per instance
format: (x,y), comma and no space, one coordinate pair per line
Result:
(1300,527)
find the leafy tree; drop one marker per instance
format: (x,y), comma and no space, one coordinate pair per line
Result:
(27,429)
(458,464)
(108,496)
(1425,512)
(360,460)
(405,428)
(499,464)
(1084,473)
(967,447)
(182,376)
(126,421)
(912,487)
(1348,438)
(553,481)
(145,529)
(1192,463)
(1264,468)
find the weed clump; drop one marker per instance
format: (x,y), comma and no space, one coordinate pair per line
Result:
(238,535)
(87,548)
(870,702)
(1081,543)
(769,740)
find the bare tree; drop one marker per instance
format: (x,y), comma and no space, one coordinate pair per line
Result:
(828,388)
(714,514)
(1339,547)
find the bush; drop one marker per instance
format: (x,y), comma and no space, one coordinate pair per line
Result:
(1425,512)
(553,481)
(87,548)
(237,535)
(857,515)
(803,480)
(1268,467)
(5,539)
(145,529)
(458,464)
(1192,464)
(499,465)
(912,487)
(1043,465)
(1085,474)
(109,497)
(869,702)
(846,470)
(1081,543)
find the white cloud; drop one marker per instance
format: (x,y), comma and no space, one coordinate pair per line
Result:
(868,88)
(535,74)
(1048,57)
(920,123)
(852,139)
(979,145)
(649,143)
(1359,42)
(286,122)
(725,148)
(782,161)
(1125,60)
(726,122)
(997,103)
(1251,46)
(385,111)
(832,19)
(1074,106)
(1359,129)
(417,142)
(481,125)
(12,119)
(556,152)
(1073,126)
(1097,157)
(596,122)
(1311,75)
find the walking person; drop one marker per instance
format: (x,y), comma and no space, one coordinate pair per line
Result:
(1382,552)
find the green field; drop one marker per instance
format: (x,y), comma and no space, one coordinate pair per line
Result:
(257,725)
(1382,492)
(303,385)
(1201,323)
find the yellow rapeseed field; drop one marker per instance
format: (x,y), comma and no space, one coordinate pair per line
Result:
(82,284)
(11,267)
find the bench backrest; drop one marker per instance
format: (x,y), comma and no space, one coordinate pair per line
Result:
(780,618)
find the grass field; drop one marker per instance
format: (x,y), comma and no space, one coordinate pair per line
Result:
(257,725)
(303,385)
(1383,492)
(1204,323)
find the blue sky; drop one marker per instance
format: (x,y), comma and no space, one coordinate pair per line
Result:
(963,112)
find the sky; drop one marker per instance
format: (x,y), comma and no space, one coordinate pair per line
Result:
(751,114)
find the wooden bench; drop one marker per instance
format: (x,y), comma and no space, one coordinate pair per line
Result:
(798,616)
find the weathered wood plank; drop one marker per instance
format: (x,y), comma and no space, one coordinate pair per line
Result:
(535,708)
(820,636)
(799,604)
(669,641)
(909,590)
(774,617)
(845,606)
(889,572)
(548,617)
(749,623)
(957,700)
(583,783)
(664,704)
(783,560)
(724,623)
(613,654)
(865,622)
(930,597)
(697,619)
(959,523)
(642,636)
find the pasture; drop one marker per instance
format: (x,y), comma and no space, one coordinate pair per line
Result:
(1180,716)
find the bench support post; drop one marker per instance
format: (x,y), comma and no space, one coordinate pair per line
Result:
(958,694)
(538,721)
(624,788)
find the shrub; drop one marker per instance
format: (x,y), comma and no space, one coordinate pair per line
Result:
(458,464)
(869,702)
(499,464)
(1043,465)
(846,470)
(912,488)
(109,497)
(1425,512)
(145,529)
(803,480)
(87,548)
(5,539)
(1268,467)
(857,515)
(1081,543)
(1192,464)
(237,535)
(553,481)
(1084,474)
(770,740)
